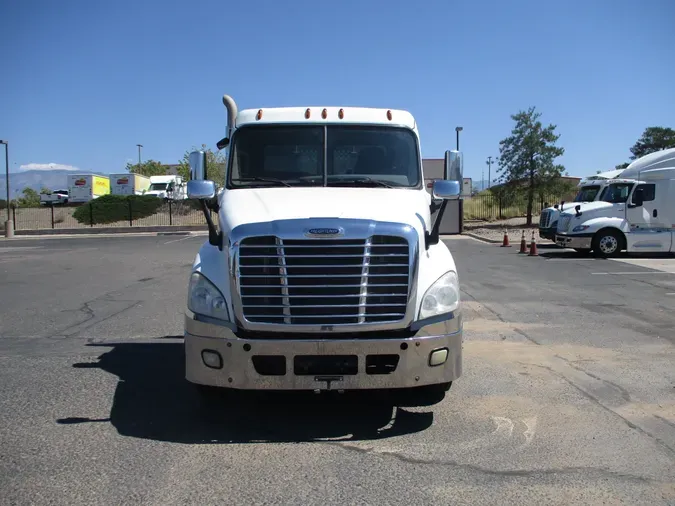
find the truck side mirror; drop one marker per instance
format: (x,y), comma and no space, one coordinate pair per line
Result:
(453,166)
(446,190)
(201,189)
(198,165)
(639,197)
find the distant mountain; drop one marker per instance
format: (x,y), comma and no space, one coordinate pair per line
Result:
(37,179)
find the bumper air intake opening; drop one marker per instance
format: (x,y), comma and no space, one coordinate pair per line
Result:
(269,365)
(311,365)
(381,364)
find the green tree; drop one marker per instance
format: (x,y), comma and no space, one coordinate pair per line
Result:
(215,165)
(147,168)
(528,156)
(620,166)
(653,139)
(30,198)
(45,191)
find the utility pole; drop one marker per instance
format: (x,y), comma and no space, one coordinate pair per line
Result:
(457,130)
(139,155)
(9,224)
(489,164)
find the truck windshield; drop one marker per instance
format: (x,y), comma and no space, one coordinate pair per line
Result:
(616,193)
(378,157)
(157,186)
(587,194)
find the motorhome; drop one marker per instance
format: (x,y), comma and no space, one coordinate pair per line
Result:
(589,190)
(634,213)
(168,187)
(324,271)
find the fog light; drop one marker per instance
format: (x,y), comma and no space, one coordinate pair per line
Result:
(212,359)
(438,357)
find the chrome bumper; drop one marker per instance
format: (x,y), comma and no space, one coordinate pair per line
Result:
(566,241)
(238,370)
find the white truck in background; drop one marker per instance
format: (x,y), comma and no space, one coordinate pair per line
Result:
(325,271)
(634,213)
(168,187)
(85,187)
(129,184)
(57,197)
(589,190)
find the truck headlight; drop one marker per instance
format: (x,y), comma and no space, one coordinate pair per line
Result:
(441,297)
(205,299)
(580,228)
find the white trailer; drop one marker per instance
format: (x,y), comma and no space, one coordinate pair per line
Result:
(85,187)
(128,184)
(634,213)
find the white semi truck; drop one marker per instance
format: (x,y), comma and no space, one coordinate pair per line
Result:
(634,213)
(325,271)
(589,191)
(168,187)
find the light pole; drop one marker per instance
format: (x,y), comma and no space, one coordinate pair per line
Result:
(9,225)
(489,164)
(457,130)
(139,155)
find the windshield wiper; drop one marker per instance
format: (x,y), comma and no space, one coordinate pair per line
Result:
(364,181)
(263,180)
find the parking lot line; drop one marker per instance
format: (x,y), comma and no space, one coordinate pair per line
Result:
(629,273)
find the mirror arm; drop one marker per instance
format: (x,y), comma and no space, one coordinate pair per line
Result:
(432,238)
(215,237)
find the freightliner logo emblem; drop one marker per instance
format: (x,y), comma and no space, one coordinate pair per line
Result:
(324,232)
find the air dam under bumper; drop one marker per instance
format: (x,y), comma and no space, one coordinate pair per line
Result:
(574,241)
(312,364)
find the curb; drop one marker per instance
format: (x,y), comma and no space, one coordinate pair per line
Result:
(482,239)
(100,235)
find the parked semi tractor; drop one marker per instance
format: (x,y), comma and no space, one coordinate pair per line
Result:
(634,213)
(85,187)
(129,184)
(325,271)
(589,190)
(167,187)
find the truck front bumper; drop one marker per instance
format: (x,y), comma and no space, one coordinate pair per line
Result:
(573,241)
(215,356)
(547,233)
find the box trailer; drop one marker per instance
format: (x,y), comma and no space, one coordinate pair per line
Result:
(128,184)
(85,187)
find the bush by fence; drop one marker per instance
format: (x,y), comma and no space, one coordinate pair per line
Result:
(116,208)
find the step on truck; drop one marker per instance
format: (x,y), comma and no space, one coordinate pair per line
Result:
(324,271)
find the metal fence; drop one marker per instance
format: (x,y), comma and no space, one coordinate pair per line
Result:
(95,215)
(492,207)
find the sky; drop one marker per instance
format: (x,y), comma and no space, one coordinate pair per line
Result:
(84,82)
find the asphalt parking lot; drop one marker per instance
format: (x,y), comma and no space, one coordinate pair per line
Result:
(567,396)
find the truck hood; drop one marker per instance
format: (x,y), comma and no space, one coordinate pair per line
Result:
(588,207)
(256,205)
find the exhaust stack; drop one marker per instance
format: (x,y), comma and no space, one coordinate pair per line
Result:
(231,107)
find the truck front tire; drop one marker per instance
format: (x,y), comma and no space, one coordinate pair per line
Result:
(608,243)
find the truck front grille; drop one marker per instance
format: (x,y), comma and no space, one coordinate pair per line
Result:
(323,282)
(544,219)
(563,223)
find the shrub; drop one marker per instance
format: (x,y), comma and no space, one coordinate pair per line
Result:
(113,208)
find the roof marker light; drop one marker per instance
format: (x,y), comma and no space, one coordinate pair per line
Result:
(389,115)
(324,114)
(307,113)
(341,113)
(259,115)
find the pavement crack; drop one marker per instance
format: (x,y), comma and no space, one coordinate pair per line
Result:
(499,317)
(524,334)
(624,393)
(604,472)
(592,398)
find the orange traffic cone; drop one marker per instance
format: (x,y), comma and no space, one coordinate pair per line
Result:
(533,247)
(523,244)
(505,243)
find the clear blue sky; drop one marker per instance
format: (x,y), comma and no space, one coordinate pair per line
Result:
(83,82)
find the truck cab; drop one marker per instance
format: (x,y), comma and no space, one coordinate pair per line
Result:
(589,190)
(325,271)
(634,213)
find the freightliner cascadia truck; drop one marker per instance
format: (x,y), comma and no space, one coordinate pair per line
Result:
(324,270)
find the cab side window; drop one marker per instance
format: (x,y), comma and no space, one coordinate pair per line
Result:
(649,191)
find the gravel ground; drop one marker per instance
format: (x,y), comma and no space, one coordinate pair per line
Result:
(494,230)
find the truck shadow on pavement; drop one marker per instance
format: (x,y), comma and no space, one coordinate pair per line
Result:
(154,401)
